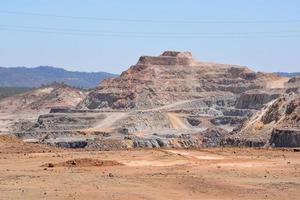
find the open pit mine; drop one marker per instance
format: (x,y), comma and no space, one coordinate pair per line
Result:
(166,101)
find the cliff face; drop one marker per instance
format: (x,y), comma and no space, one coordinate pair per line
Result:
(256,99)
(277,124)
(285,138)
(173,77)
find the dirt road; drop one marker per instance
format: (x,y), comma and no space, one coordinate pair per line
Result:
(176,121)
(107,123)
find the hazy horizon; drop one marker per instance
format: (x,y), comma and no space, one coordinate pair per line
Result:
(92,36)
(73,69)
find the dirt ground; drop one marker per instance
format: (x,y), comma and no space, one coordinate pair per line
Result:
(34,172)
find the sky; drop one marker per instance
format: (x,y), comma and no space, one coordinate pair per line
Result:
(110,35)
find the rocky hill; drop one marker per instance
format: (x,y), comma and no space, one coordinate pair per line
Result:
(36,77)
(173,77)
(20,111)
(44,98)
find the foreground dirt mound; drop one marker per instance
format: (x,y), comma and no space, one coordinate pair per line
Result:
(84,162)
(45,98)
(173,77)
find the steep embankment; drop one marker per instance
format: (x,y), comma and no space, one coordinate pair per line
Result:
(277,124)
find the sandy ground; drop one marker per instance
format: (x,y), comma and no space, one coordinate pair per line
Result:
(25,173)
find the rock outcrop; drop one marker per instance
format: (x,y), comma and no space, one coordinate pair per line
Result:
(285,138)
(256,99)
(293,85)
(277,124)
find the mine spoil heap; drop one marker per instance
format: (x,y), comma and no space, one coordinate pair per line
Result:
(172,77)
(173,100)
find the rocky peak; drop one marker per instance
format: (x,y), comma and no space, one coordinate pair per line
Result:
(177,54)
(167,58)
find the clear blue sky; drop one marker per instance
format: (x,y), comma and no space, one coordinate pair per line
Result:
(261,34)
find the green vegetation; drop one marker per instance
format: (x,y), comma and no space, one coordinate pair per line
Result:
(10,91)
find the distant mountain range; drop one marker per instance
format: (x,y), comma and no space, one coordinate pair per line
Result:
(35,77)
(288,74)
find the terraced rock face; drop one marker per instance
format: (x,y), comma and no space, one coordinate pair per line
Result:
(277,124)
(256,99)
(173,77)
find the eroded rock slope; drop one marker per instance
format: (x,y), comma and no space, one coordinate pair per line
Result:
(173,77)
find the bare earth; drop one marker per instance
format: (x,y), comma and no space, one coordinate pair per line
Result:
(30,171)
